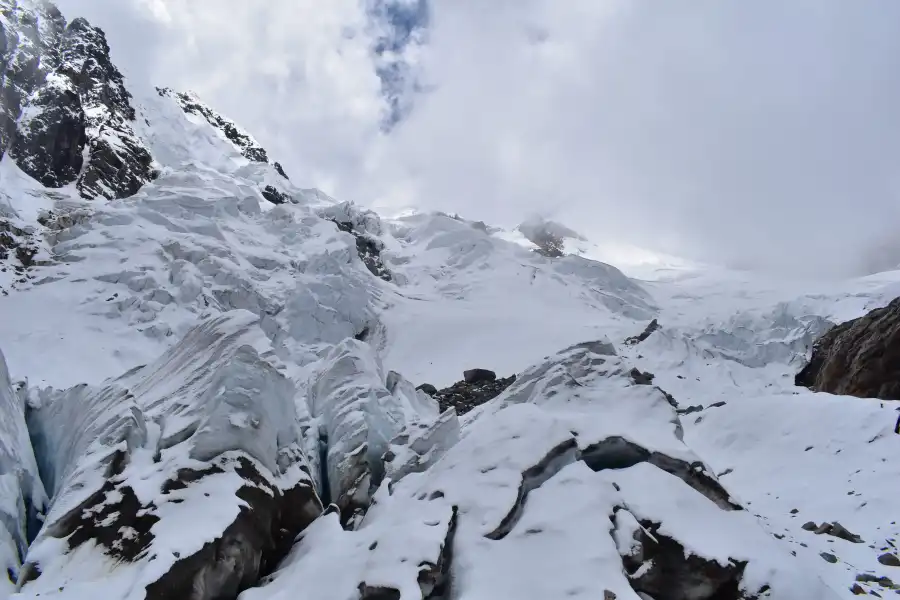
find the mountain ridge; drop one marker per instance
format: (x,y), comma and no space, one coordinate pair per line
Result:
(210,387)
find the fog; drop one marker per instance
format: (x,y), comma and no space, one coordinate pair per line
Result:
(759,134)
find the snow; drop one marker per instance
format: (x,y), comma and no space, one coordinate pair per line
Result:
(197,324)
(168,418)
(475,300)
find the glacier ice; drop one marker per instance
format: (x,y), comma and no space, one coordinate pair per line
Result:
(132,462)
(22,495)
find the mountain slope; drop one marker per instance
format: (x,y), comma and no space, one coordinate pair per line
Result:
(213,374)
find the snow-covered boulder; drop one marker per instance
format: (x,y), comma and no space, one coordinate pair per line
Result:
(184,478)
(22,496)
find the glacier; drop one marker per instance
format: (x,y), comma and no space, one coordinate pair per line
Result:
(210,384)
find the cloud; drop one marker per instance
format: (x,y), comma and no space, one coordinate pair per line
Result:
(754,133)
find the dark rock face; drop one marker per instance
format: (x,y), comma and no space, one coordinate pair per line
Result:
(249,548)
(858,358)
(369,249)
(548,236)
(477,387)
(17,251)
(619,453)
(641,377)
(274,196)
(479,376)
(428,389)
(22,45)
(648,331)
(64,100)
(663,569)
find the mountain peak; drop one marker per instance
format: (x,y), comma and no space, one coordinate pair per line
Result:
(243,141)
(68,117)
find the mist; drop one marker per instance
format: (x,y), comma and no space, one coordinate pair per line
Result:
(760,135)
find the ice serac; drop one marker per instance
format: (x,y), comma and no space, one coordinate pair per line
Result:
(358,417)
(185,478)
(71,111)
(22,496)
(573,483)
(365,227)
(859,357)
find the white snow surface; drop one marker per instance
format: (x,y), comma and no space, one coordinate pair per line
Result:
(280,293)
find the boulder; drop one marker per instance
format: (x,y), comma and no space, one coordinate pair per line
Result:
(428,389)
(479,376)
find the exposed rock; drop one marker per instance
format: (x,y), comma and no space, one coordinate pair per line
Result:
(473,376)
(882,581)
(464,396)
(637,339)
(75,125)
(210,422)
(834,529)
(858,358)
(273,195)
(242,140)
(889,559)
(641,377)
(368,248)
(428,389)
(828,557)
(664,569)
(548,236)
(18,248)
(618,453)
(28,34)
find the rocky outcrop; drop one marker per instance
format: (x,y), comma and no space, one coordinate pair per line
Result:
(29,38)
(549,236)
(211,423)
(242,140)
(477,387)
(18,249)
(858,358)
(365,227)
(73,115)
(274,195)
(648,331)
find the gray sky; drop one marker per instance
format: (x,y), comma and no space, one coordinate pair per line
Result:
(762,133)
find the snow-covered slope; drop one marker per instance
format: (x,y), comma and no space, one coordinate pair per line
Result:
(213,371)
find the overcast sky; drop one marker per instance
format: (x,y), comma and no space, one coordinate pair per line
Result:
(763,133)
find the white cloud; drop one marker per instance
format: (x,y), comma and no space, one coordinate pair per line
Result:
(758,133)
